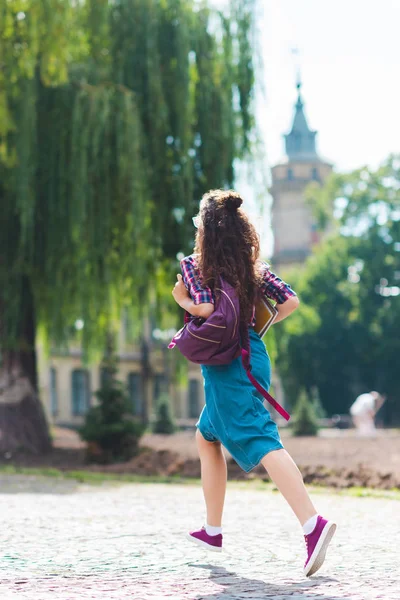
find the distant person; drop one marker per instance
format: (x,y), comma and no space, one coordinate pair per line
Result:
(227,245)
(363,412)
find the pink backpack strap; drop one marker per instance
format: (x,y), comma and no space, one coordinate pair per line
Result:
(246,364)
(261,389)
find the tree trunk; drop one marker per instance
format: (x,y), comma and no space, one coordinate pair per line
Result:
(23,424)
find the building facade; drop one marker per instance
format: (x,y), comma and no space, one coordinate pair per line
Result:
(67,386)
(293,225)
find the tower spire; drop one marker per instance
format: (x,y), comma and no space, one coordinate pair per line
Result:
(300,142)
(298,85)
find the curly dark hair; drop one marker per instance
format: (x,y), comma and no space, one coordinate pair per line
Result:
(228,245)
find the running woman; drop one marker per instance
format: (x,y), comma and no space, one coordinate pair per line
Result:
(234,415)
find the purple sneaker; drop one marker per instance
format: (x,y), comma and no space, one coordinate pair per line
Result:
(317,543)
(201,537)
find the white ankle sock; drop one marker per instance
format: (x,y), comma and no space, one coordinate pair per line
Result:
(213,530)
(309,525)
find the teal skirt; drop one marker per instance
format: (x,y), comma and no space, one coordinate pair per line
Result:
(234,413)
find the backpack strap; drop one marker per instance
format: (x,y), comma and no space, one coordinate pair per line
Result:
(245,351)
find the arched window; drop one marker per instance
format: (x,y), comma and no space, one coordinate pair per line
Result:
(315,174)
(290,174)
(80,391)
(53,392)
(193,398)
(135,390)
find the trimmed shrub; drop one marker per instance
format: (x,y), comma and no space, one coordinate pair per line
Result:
(112,433)
(316,401)
(305,419)
(164,422)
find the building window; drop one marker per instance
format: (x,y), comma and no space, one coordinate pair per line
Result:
(290,174)
(158,387)
(53,392)
(80,392)
(194,398)
(315,174)
(135,390)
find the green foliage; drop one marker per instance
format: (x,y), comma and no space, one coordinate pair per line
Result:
(164,422)
(304,420)
(113,121)
(112,433)
(316,403)
(344,338)
(39,38)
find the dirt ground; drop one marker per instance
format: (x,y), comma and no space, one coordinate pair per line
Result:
(334,448)
(335,458)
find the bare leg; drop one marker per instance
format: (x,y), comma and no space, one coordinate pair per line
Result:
(213,478)
(289,481)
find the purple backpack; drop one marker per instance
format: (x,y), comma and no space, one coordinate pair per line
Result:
(220,339)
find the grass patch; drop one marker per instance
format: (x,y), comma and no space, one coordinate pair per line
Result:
(95,478)
(358,492)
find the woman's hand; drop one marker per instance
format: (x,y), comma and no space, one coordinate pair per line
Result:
(182,297)
(180,293)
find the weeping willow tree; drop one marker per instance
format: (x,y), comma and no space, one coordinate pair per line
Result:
(114,118)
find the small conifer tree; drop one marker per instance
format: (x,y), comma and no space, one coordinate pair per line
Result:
(305,419)
(112,432)
(164,422)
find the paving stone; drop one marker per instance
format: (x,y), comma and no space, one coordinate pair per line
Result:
(68,542)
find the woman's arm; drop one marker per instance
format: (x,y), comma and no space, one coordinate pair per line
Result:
(198,310)
(182,297)
(276,289)
(285,309)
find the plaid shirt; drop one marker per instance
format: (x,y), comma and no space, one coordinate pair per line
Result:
(272,287)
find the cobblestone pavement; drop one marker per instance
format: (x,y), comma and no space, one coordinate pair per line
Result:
(66,541)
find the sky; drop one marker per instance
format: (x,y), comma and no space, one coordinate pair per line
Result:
(349,59)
